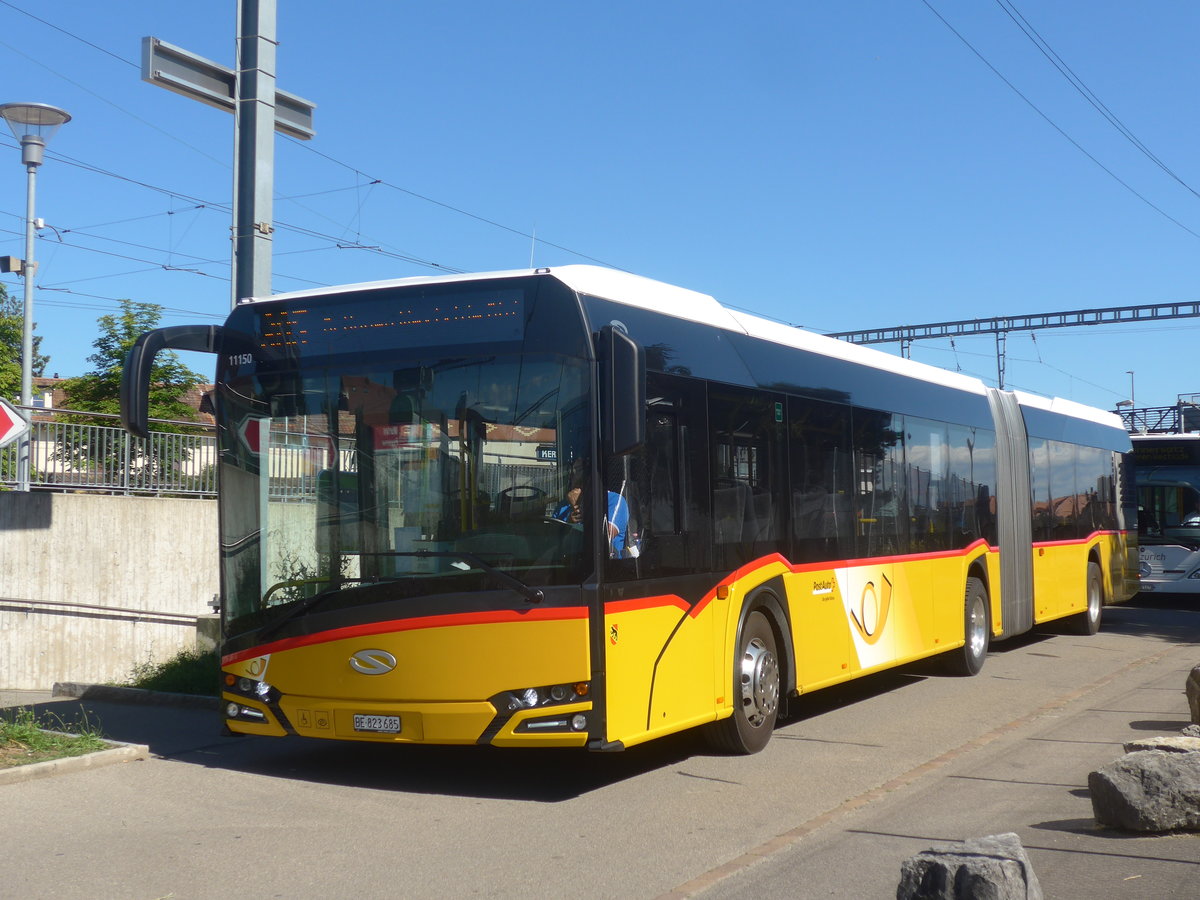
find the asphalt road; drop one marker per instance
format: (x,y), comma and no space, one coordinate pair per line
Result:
(863,776)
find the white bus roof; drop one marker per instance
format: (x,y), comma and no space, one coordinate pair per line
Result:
(682,303)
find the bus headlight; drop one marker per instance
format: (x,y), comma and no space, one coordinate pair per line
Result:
(537,697)
(251,688)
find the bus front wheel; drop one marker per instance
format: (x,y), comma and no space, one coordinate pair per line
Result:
(756,686)
(977,631)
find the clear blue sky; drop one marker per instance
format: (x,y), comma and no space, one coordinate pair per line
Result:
(836,165)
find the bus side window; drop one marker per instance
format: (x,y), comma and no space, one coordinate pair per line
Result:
(822,480)
(971,486)
(926,464)
(658,480)
(883,526)
(748,474)
(1039,482)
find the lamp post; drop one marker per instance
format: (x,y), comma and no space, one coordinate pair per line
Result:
(32,124)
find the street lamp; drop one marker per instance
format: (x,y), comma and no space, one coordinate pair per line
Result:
(32,124)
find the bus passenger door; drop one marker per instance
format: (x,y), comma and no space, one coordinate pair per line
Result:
(658,637)
(822,537)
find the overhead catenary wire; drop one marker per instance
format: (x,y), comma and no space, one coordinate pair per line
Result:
(1087,93)
(372,181)
(1113,175)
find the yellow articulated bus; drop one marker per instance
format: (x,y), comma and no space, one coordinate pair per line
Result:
(573,507)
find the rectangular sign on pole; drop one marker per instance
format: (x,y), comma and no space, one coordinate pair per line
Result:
(209,82)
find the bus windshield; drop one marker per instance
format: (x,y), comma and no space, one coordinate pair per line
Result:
(350,485)
(1168,502)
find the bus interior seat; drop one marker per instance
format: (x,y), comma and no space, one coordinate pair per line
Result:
(521,503)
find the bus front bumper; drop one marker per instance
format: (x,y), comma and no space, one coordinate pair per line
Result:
(463,722)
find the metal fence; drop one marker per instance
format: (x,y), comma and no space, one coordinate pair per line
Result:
(68,456)
(107,459)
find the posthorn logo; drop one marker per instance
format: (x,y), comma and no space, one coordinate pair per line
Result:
(372,662)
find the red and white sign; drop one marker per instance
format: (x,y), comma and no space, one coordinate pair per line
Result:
(12,423)
(396,437)
(250,432)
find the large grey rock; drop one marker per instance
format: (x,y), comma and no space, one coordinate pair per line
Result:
(1167,743)
(1192,688)
(1192,730)
(995,867)
(1150,790)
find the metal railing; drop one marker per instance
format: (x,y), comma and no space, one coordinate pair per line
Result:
(68,456)
(1181,418)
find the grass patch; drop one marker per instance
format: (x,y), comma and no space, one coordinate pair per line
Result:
(187,672)
(24,739)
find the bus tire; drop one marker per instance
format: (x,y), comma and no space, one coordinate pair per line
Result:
(756,687)
(1088,621)
(977,631)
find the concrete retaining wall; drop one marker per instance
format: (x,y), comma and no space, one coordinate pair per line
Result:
(91,584)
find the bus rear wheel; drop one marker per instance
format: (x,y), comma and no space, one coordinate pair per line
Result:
(1088,621)
(977,631)
(756,686)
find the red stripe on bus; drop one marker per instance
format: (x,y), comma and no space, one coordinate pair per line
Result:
(826,565)
(639,603)
(737,575)
(490,617)
(1073,542)
(891,560)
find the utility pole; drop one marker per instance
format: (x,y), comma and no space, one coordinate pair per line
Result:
(254,137)
(260,109)
(1001,343)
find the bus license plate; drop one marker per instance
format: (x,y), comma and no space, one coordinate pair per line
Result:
(377,724)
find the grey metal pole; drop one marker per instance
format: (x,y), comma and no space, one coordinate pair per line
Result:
(25,442)
(1001,340)
(254,172)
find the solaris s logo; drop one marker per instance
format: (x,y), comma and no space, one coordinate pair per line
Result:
(372,662)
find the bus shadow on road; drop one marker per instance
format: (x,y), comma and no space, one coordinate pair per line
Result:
(195,737)
(533,775)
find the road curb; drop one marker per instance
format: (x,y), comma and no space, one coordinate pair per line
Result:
(118,752)
(115,694)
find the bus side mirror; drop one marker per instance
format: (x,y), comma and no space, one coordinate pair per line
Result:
(622,391)
(135,377)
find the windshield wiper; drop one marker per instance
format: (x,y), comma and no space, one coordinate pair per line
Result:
(297,609)
(532,594)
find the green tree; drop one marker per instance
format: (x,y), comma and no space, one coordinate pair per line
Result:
(12,324)
(99,391)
